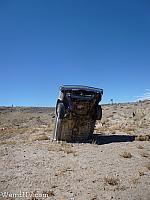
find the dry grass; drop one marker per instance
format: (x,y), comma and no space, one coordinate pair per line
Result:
(111,180)
(148,166)
(68,150)
(63,146)
(63,171)
(35,130)
(105,121)
(142,138)
(7,133)
(126,154)
(141,173)
(100,129)
(129,129)
(134,180)
(110,116)
(145,154)
(140,147)
(94,198)
(39,137)
(50,127)
(107,126)
(115,127)
(8,142)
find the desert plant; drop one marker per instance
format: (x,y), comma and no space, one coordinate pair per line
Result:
(142,138)
(126,154)
(114,127)
(135,180)
(68,150)
(10,142)
(140,147)
(144,154)
(111,180)
(141,173)
(129,129)
(38,137)
(64,147)
(94,198)
(50,127)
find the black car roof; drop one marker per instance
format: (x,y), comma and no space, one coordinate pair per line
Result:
(81,87)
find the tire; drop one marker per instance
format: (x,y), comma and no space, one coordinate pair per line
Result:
(91,130)
(98,112)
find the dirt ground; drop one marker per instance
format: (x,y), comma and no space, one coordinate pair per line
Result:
(115,164)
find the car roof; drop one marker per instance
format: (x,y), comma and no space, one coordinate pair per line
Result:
(81,87)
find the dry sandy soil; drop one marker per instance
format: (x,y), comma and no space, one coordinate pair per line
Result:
(114,165)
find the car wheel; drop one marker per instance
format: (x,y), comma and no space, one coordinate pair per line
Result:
(99,112)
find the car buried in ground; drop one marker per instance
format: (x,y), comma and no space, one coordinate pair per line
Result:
(77,110)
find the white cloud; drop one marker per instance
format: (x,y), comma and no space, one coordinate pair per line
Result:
(145,96)
(147,90)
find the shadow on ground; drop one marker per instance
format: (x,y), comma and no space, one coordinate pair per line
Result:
(106,139)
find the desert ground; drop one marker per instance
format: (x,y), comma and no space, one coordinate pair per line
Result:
(115,164)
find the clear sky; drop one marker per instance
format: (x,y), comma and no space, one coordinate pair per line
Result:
(46,43)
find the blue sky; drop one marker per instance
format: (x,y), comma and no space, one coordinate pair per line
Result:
(46,43)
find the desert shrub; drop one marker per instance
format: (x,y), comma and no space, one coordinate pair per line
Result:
(115,127)
(110,116)
(105,121)
(141,173)
(50,126)
(140,147)
(142,138)
(126,154)
(64,147)
(129,129)
(135,180)
(111,180)
(144,154)
(38,137)
(8,142)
